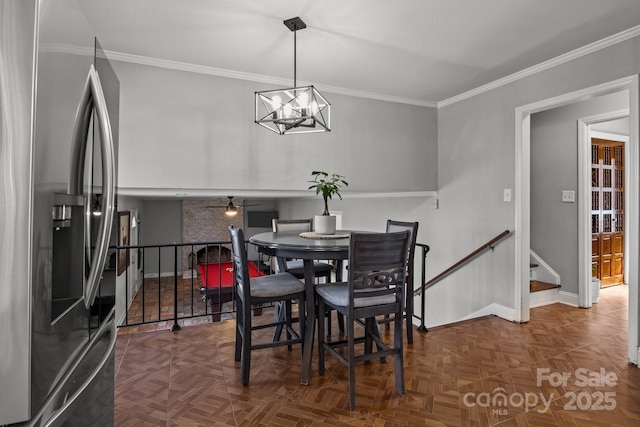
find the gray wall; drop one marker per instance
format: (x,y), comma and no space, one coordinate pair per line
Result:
(619,127)
(161,224)
(554,167)
(171,121)
(476,161)
(182,130)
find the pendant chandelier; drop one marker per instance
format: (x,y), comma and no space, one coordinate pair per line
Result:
(293,110)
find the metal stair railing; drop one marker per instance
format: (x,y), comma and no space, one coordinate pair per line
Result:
(426,285)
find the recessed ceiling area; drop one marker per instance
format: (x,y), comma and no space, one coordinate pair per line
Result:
(422,52)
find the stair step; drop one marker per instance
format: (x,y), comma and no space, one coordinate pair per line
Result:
(537,286)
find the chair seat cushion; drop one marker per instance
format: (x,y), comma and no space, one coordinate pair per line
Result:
(338,294)
(275,285)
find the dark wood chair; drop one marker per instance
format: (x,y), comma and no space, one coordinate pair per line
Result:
(375,286)
(261,290)
(295,266)
(412,227)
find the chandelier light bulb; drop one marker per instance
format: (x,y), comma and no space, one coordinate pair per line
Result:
(287,110)
(303,100)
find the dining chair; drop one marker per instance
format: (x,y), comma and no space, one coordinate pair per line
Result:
(296,266)
(375,286)
(261,290)
(412,227)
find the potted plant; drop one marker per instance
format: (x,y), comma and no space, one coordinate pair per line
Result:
(328,186)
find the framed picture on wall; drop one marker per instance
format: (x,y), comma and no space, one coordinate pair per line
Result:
(123,240)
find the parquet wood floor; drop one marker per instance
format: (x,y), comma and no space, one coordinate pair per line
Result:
(483,372)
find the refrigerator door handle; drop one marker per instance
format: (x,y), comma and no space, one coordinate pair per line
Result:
(93,98)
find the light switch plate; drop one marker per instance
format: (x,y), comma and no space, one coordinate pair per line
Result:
(568,196)
(507,195)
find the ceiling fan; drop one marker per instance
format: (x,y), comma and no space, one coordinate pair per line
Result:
(230,209)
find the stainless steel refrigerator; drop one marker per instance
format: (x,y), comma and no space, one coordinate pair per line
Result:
(58,149)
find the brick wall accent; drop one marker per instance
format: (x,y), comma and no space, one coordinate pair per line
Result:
(202,224)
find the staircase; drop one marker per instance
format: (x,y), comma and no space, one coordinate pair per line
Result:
(541,293)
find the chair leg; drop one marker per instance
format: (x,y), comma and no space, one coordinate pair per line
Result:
(398,358)
(278,317)
(351,364)
(374,329)
(339,279)
(288,315)
(340,323)
(409,314)
(302,323)
(327,279)
(239,327)
(368,332)
(302,319)
(246,347)
(321,336)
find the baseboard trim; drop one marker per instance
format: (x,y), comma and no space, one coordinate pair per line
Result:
(494,309)
(568,298)
(461,322)
(165,274)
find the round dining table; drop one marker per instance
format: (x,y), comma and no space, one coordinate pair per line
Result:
(309,249)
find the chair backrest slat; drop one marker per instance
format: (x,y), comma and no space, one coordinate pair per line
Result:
(412,227)
(283,225)
(377,263)
(240,264)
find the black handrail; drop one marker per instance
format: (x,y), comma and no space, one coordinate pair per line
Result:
(175,326)
(425,250)
(463,261)
(177,315)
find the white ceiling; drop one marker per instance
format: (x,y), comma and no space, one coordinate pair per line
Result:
(418,51)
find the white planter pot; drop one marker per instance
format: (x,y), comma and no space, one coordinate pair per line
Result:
(595,290)
(325,224)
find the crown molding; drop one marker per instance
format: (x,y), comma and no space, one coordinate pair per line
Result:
(569,56)
(69,49)
(221,72)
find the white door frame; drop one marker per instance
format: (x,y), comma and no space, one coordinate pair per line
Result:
(523,195)
(584,196)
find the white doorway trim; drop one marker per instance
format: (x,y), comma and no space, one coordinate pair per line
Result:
(584,197)
(523,202)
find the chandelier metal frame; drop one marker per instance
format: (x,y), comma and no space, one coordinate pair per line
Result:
(298,109)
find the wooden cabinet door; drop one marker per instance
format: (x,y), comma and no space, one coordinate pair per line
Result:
(607,211)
